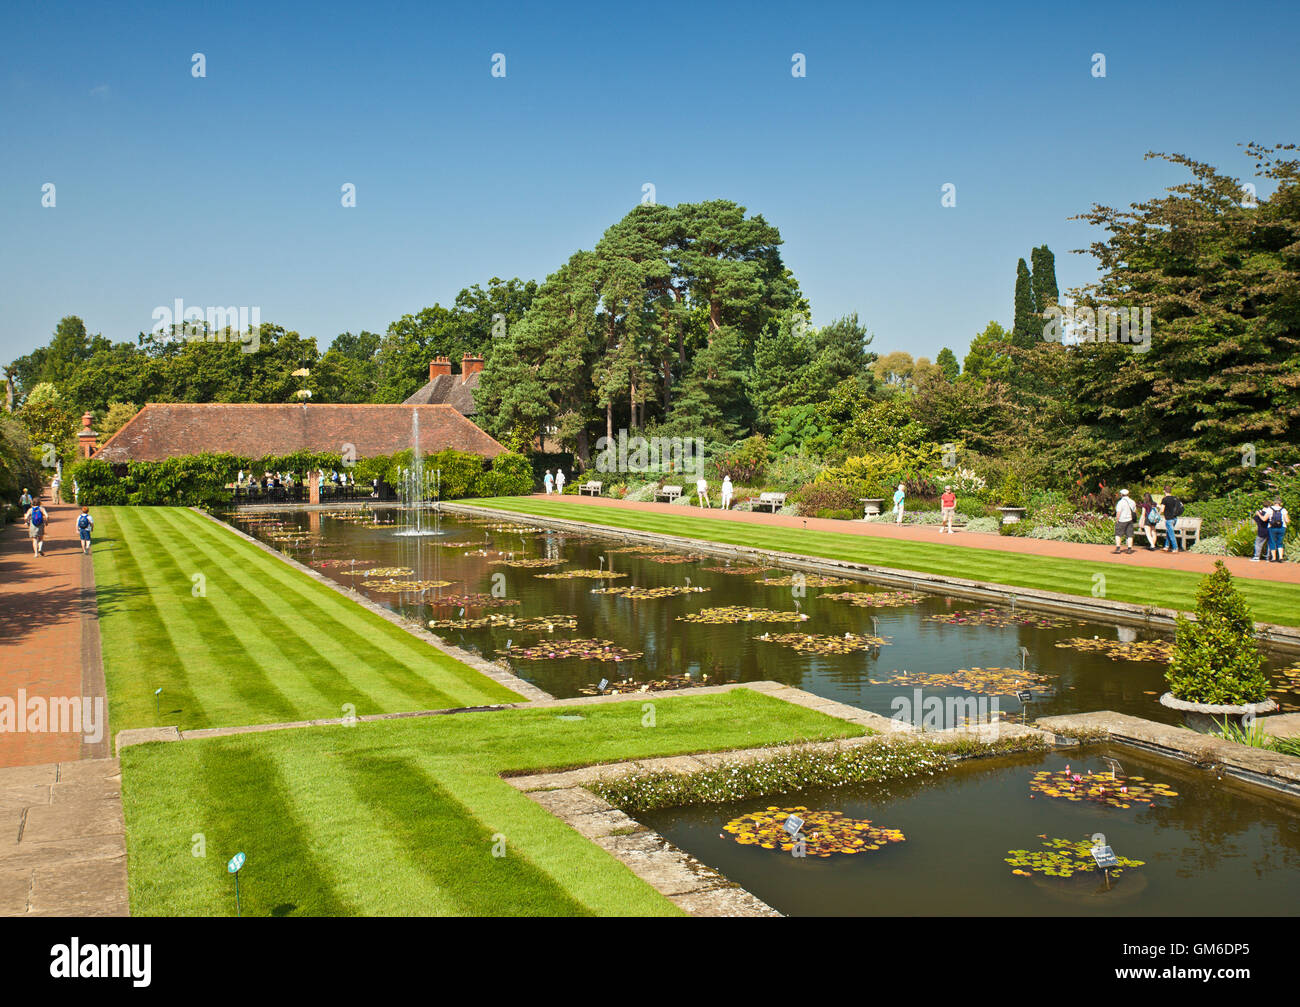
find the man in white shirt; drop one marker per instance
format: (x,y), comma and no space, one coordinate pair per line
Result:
(559,481)
(726,492)
(1125,514)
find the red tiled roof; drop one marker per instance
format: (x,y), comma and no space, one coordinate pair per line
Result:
(168,429)
(453,390)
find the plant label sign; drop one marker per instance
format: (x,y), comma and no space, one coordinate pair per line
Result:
(793,824)
(236,862)
(1025,696)
(1104,856)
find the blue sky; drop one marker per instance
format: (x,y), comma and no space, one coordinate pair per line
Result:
(225,190)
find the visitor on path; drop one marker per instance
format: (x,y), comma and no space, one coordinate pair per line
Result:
(559,482)
(726,492)
(37,520)
(1172,509)
(948,507)
(702,491)
(1260,518)
(25,501)
(898,504)
(548,481)
(1125,515)
(1150,520)
(55,487)
(76,491)
(1278,522)
(85,525)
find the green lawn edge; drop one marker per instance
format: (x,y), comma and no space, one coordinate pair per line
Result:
(401,817)
(235,636)
(1270,601)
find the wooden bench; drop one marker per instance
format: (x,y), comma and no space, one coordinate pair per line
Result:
(770,501)
(669,493)
(590,488)
(1184,527)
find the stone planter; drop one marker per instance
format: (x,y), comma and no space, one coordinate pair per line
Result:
(1012,515)
(1206,718)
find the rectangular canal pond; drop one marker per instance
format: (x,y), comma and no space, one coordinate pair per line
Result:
(942,843)
(565,611)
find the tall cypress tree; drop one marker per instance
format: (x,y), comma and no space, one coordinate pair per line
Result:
(1028,326)
(1043,264)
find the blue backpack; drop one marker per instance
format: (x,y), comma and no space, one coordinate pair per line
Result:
(38,517)
(83,522)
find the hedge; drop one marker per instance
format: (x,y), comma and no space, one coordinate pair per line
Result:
(202,480)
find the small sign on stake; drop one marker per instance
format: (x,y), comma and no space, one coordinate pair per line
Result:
(236,862)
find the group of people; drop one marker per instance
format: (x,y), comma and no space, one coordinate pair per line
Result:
(38,519)
(1150,516)
(702,492)
(554,483)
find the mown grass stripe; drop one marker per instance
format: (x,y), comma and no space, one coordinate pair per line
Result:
(134,635)
(244,674)
(322,686)
(331,613)
(413,807)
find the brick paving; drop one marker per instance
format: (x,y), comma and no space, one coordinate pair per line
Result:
(62,837)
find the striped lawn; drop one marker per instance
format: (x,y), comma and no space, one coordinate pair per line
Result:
(1269,601)
(234,636)
(401,817)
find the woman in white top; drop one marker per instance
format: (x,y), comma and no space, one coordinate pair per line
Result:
(702,491)
(726,492)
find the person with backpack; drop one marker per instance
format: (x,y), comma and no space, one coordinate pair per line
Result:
(25,501)
(1278,522)
(1149,521)
(37,519)
(1260,517)
(1172,509)
(85,524)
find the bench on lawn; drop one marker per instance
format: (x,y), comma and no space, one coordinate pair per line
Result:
(1185,526)
(770,501)
(669,493)
(590,488)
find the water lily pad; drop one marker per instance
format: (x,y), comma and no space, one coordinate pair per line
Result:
(1159,651)
(824,833)
(582,650)
(818,643)
(1113,791)
(877,599)
(741,613)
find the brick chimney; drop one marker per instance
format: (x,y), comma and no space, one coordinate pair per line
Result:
(87,439)
(469,364)
(439,366)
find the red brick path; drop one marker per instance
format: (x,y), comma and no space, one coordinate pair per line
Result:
(49,635)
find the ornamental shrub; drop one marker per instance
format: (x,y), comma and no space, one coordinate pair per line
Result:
(1216,658)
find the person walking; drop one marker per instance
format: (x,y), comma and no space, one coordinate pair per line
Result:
(726,492)
(37,519)
(1172,509)
(548,481)
(1125,514)
(948,507)
(85,525)
(702,492)
(898,504)
(56,487)
(1278,522)
(1260,517)
(1149,521)
(25,501)
(559,482)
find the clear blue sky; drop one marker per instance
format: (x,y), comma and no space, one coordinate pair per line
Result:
(226,190)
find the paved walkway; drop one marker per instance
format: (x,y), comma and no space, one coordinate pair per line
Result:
(1288,573)
(62,838)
